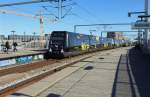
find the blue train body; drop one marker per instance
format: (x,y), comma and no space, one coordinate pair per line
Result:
(62,42)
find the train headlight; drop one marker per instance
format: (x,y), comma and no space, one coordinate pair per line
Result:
(50,50)
(62,51)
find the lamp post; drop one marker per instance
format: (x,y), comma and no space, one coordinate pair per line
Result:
(101,38)
(34,38)
(13,32)
(24,36)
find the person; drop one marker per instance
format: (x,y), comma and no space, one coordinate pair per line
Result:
(14,46)
(7,46)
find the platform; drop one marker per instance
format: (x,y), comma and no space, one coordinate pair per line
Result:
(112,73)
(25,52)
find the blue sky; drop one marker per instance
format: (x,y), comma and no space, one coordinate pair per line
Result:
(85,12)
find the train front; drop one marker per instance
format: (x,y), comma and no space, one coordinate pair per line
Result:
(57,44)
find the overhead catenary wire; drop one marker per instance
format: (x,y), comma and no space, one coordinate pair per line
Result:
(78,16)
(81,18)
(87,12)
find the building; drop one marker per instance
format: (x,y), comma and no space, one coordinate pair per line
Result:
(25,38)
(2,37)
(115,35)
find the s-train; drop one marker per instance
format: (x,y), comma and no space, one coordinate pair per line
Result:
(64,44)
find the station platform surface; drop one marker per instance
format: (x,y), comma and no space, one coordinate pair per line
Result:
(122,72)
(18,53)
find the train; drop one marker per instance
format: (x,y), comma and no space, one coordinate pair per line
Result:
(64,44)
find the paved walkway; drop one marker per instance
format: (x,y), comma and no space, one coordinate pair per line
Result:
(95,79)
(112,73)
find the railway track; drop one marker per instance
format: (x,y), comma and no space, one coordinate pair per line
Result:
(25,67)
(15,80)
(20,72)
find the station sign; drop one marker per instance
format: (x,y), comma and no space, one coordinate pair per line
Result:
(140,25)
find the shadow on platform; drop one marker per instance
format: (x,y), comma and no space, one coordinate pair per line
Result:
(20,94)
(53,95)
(132,77)
(89,68)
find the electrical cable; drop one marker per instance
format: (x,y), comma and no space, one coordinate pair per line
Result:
(87,11)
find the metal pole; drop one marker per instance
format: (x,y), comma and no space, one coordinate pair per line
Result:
(13,35)
(146,30)
(24,36)
(142,38)
(60,9)
(75,28)
(105,26)
(146,7)
(90,37)
(34,38)
(24,40)
(101,38)
(114,42)
(139,36)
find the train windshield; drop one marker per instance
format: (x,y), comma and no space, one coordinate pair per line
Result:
(57,39)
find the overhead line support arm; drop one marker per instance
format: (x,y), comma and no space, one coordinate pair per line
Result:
(23,3)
